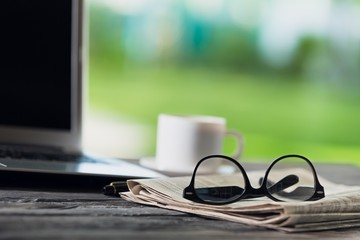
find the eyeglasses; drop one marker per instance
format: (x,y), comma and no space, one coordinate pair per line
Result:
(288,178)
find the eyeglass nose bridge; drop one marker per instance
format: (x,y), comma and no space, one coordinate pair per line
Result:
(251,192)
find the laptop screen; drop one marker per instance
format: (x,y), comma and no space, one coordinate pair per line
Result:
(35,64)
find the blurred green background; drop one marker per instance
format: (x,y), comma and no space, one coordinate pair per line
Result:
(284,73)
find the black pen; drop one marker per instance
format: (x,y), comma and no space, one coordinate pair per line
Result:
(114,188)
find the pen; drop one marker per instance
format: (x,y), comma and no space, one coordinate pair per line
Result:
(114,188)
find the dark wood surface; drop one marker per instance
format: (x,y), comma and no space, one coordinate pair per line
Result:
(39,214)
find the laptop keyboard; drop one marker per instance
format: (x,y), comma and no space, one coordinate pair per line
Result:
(13,153)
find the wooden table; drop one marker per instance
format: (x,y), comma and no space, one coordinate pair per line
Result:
(34,214)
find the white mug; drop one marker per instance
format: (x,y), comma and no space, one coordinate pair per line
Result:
(182,140)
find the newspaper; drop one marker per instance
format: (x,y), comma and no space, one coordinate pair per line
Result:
(339,209)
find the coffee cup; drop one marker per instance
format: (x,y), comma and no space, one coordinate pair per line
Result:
(182,140)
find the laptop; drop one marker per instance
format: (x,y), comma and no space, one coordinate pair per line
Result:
(42,98)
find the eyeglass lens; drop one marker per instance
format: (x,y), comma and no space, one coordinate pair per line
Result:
(221,186)
(291,178)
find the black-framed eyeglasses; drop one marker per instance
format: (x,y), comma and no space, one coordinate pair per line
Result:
(288,178)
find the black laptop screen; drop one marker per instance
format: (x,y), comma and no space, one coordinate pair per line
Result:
(35,63)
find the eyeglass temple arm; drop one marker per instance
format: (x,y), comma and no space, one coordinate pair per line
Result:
(279,186)
(297,193)
(283,184)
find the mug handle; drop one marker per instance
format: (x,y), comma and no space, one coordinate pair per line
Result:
(240,142)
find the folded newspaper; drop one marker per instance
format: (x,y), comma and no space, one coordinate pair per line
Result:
(339,209)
